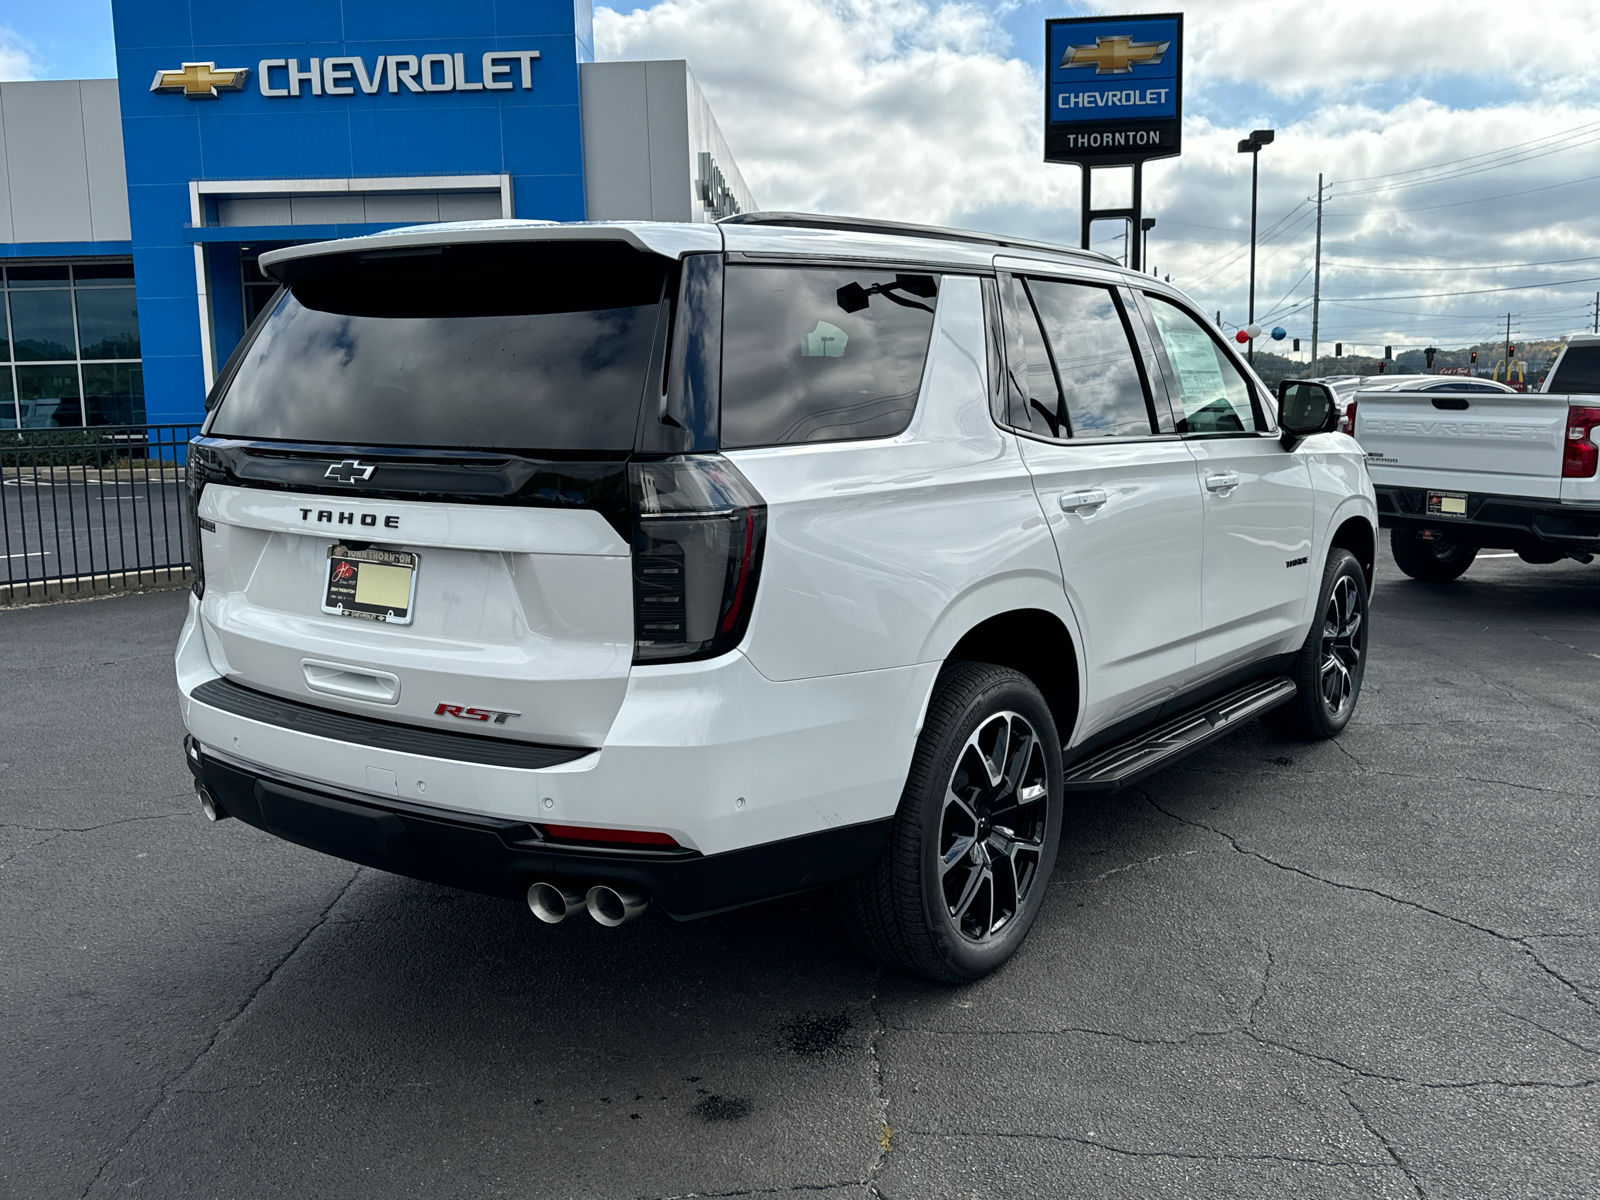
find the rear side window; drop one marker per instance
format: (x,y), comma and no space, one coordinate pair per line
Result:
(1579,372)
(812,354)
(505,347)
(1213,396)
(1094,359)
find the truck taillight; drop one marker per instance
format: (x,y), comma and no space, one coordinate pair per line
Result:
(1347,423)
(699,528)
(1581,456)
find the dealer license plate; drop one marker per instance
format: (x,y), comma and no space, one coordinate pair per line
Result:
(1447,504)
(371,584)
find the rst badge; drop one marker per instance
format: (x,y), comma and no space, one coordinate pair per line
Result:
(462,713)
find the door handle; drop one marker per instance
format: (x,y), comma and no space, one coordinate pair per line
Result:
(1224,482)
(1084,501)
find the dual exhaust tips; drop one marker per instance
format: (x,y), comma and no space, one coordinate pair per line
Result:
(553,903)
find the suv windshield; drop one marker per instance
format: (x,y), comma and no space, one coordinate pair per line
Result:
(1579,372)
(502,347)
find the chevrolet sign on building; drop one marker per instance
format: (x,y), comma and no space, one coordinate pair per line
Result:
(1114,89)
(133,211)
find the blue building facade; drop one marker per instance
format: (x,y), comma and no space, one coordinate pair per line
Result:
(236,129)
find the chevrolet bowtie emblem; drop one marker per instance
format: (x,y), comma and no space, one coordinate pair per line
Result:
(1114,55)
(201,81)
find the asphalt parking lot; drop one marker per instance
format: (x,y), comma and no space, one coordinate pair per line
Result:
(1357,969)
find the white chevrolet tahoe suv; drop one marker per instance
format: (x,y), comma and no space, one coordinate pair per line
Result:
(1466,465)
(606,565)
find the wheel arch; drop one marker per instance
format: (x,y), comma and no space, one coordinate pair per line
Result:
(1356,534)
(1037,644)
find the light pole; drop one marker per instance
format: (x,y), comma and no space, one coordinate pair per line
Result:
(1146,224)
(1252,146)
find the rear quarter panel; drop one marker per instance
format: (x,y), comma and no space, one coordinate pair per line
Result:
(884,553)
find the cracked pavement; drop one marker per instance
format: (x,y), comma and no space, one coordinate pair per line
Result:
(1368,968)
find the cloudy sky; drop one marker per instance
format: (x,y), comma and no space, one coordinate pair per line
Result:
(1461,139)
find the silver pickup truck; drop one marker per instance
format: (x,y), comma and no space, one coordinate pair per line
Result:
(1460,471)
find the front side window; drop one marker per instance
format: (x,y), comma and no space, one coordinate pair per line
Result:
(1094,359)
(1213,396)
(821,354)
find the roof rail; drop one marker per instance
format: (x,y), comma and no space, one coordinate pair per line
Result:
(795,220)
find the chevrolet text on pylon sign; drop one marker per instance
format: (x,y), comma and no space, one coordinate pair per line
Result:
(1114,89)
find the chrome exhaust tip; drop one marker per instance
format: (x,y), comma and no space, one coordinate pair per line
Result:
(553,904)
(208,804)
(615,906)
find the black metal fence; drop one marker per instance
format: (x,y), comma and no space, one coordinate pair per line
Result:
(85,510)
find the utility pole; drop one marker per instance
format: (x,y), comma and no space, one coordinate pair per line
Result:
(1508,347)
(1252,146)
(1597,312)
(1316,280)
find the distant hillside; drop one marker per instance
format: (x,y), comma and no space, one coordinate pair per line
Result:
(1535,358)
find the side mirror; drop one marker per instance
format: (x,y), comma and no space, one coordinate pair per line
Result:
(1305,408)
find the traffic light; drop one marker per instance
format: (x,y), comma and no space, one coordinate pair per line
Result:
(1338,349)
(1429,353)
(1381,366)
(1388,353)
(1297,345)
(1474,358)
(1511,350)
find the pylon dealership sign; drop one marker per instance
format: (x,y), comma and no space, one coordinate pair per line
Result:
(1113,89)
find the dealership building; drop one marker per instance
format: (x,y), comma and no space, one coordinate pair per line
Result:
(133,210)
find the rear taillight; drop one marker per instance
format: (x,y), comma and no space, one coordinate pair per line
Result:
(202,467)
(1580,455)
(1347,423)
(698,532)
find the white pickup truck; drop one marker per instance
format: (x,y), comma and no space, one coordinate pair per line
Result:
(1461,471)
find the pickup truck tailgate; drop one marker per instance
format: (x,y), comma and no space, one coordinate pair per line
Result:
(1500,444)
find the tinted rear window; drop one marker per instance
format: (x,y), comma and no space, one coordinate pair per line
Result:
(821,355)
(541,347)
(1579,371)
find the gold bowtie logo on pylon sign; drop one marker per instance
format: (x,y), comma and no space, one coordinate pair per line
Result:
(201,81)
(1114,55)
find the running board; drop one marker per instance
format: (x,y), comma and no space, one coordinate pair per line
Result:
(1161,745)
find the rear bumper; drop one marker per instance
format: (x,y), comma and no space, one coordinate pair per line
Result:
(502,857)
(1494,522)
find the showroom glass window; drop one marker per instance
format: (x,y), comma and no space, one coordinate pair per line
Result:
(69,346)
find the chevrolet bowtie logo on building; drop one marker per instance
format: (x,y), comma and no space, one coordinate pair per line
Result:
(1114,55)
(201,81)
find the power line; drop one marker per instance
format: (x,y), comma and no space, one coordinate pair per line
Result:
(1549,137)
(1476,292)
(1499,164)
(1549,262)
(1459,203)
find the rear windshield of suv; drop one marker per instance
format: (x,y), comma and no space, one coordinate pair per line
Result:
(1579,372)
(502,347)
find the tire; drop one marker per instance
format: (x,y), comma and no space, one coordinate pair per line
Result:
(1432,561)
(1329,666)
(958,922)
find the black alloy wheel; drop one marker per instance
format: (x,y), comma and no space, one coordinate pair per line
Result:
(1344,639)
(991,833)
(1330,664)
(965,868)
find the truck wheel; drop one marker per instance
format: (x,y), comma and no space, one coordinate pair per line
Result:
(1330,664)
(964,871)
(1431,561)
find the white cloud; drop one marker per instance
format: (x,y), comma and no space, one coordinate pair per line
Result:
(914,110)
(16,56)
